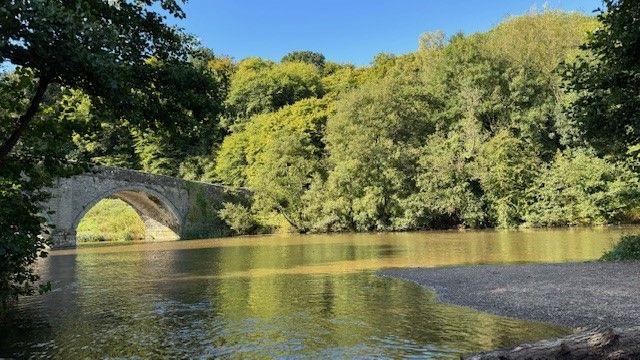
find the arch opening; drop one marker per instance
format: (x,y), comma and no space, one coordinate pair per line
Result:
(111,220)
(127,214)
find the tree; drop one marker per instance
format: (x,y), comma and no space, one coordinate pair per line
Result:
(41,154)
(506,168)
(606,80)
(431,40)
(259,87)
(231,159)
(100,47)
(372,141)
(449,194)
(540,40)
(308,57)
(191,137)
(121,54)
(277,155)
(21,241)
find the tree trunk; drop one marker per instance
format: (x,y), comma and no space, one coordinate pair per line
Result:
(24,119)
(599,343)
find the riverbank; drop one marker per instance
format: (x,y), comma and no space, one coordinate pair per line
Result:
(572,295)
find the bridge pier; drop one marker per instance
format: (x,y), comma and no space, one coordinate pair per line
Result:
(63,239)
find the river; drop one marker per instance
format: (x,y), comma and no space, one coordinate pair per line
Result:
(279,296)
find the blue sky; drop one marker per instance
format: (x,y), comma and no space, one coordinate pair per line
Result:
(345,30)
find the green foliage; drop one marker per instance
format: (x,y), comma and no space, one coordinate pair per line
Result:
(308,57)
(606,80)
(34,162)
(581,189)
(239,218)
(278,167)
(506,169)
(231,160)
(372,142)
(540,40)
(259,87)
(161,149)
(21,238)
(158,82)
(156,156)
(198,168)
(453,135)
(102,48)
(110,220)
(448,193)
(627,249)
(343,80)
(431,41)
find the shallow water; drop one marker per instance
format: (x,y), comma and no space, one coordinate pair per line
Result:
(278,297)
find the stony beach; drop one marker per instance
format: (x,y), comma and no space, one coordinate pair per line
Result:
(573,295)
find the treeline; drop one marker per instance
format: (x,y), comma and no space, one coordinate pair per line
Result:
(473,131)
(470,132)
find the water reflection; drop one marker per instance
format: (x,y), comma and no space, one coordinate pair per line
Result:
(301,296)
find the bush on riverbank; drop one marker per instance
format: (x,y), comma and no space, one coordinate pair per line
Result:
(239,218)
(628,249)
(579,188)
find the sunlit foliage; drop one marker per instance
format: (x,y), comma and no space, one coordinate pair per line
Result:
(278,167)
(578,188)
(464,132)
(259,86)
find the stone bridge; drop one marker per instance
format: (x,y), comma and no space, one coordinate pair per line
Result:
(169,207)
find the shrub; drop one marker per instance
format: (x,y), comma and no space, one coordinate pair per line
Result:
(582,189)
(628,249)
(239,218)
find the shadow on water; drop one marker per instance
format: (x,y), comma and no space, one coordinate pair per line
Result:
(306,296)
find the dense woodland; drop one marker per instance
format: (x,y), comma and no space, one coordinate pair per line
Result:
(533,123)
(471,131)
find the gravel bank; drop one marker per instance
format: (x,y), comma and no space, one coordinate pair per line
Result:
(573,295)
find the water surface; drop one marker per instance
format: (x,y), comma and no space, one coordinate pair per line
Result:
(282,296)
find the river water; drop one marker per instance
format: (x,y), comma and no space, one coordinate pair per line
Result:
(280,296)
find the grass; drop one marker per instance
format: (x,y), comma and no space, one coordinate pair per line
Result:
(628,249)
(111,220)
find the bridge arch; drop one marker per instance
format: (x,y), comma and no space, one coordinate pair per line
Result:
(161,217)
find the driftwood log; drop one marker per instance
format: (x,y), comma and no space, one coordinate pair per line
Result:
(598,343)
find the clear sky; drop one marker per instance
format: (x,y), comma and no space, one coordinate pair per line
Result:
(345,30)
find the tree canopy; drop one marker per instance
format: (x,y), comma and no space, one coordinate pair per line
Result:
(308,57)
(101,47)
(466,132)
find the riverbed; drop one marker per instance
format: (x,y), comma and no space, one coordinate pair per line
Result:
(314,296)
